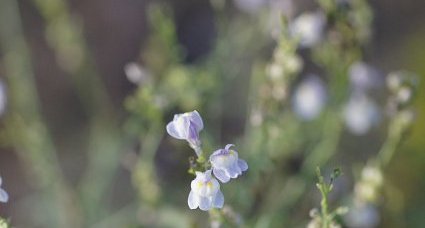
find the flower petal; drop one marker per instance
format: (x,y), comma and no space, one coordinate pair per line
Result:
(192,200)
(221,175)
(242,165)
(193,135)
(208,174)
(4,197)
(215,153)
(219,200)
(234,171)
(204,203)
(173,131)
(197,120)
(228,146)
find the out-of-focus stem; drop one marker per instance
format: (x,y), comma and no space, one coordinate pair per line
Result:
(144,179)
(105,136)
(25,128)
(387,151)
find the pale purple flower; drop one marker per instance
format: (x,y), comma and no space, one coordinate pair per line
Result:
(3,97)
(360,114)
(308,28)
(309,98)
(362,215)
(205,192)
(226,164)
(250,6)
(187,126)
(4,197)
(364,77)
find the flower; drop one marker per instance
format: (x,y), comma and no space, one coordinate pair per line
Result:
(3,223)
(3,97)
(364,77)
(226,164)
(205,192)
(368,189)
(187,126)
(308,28)
(360,114)
(309,98)
(249,6)
(362,215)
(137,74)
(4,197)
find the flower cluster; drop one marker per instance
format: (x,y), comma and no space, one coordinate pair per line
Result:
(367,192)
(225,163)
(361,113)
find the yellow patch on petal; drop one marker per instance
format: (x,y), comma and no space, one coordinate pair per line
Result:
(209,184)
(200,185)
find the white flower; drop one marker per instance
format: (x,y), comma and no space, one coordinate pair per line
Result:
(226,164)
(308,28)
(137,74)
(205,192)
(187,126)
(4,197)
(360,114)
(309,98)
(373,175)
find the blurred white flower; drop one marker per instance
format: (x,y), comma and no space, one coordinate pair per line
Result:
(368,188)
(404,94)
(308,28)
(373,175)
(136,73)
(250,6)
(205,192)
(363,76)
(256,118)
(4,197)
(3,97)
(360,114)
(405,117)
(315,222)
(283,66)
(275,71)
(366,192)
(309,98)
(394,81)
(362,215)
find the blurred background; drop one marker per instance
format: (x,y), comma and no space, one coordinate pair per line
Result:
(88,86)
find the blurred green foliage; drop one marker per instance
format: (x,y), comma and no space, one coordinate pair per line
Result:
(250,76)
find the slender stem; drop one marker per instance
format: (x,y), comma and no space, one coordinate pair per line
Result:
(388,149)
(324,205)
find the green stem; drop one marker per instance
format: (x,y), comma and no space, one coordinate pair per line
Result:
(388,149)
(324,206)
